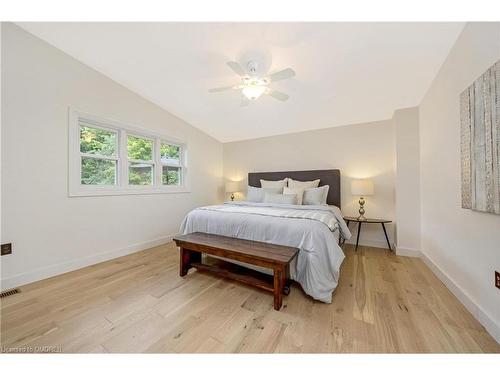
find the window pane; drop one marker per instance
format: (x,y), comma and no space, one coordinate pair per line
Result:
(170,154)
(171,175)
(140,174)
(139,148)
(98,171)
(97,141)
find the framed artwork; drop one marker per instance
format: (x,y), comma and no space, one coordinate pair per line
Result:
(480,142)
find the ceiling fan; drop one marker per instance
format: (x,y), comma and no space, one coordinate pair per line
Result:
(253,85)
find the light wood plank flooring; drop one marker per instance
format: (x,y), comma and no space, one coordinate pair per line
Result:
(138,303)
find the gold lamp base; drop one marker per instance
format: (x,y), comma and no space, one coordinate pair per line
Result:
(361,211)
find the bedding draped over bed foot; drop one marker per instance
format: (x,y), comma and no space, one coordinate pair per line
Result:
(317,266)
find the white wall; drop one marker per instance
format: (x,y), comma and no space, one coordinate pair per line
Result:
(50,232)
(461,245)
(407,181)
(1,120)
(359,151)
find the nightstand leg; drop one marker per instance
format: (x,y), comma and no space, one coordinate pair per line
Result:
(386,237)
(357,237)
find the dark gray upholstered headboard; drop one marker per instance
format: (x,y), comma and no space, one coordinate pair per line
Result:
(327,177)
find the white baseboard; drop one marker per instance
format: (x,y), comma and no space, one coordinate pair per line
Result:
(492,326)
(60,268)
(370,243)
(408,252)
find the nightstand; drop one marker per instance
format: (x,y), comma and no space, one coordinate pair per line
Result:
(348,219)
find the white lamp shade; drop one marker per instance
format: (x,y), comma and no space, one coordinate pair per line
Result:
(232,186)
(361,187)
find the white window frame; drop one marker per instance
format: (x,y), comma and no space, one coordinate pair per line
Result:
(76,189)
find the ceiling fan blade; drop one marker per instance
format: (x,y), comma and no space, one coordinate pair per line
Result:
(277,95)
(244,101)
(236,68)
(219,89)
(282,74)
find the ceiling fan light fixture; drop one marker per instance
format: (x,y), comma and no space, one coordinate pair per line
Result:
(253,92)
(253,85)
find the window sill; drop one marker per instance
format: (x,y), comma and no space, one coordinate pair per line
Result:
(96,192)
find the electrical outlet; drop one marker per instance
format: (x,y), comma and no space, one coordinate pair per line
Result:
(497,279)
(6,248)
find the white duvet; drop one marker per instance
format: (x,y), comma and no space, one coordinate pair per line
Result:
(313,229)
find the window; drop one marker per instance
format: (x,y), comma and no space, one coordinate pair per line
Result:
(98,155)
(108,158)
(170,158)
(140,160)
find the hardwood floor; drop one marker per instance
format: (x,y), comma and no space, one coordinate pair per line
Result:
(138,303)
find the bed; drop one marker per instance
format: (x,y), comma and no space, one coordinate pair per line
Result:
(315,230)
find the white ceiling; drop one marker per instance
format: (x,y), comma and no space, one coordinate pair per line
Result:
(346,72)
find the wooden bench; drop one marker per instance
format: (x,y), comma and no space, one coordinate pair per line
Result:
(275,257)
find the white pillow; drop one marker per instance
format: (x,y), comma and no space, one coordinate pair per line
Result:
(273,184)
(255,194)
(316,196)
(280,198)
(302,184)
(297,192)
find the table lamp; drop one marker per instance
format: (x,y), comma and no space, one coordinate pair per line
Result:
(232,187)
(361,188)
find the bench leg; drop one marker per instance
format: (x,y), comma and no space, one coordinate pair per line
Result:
(278,288)
(186,258)
(286,282)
